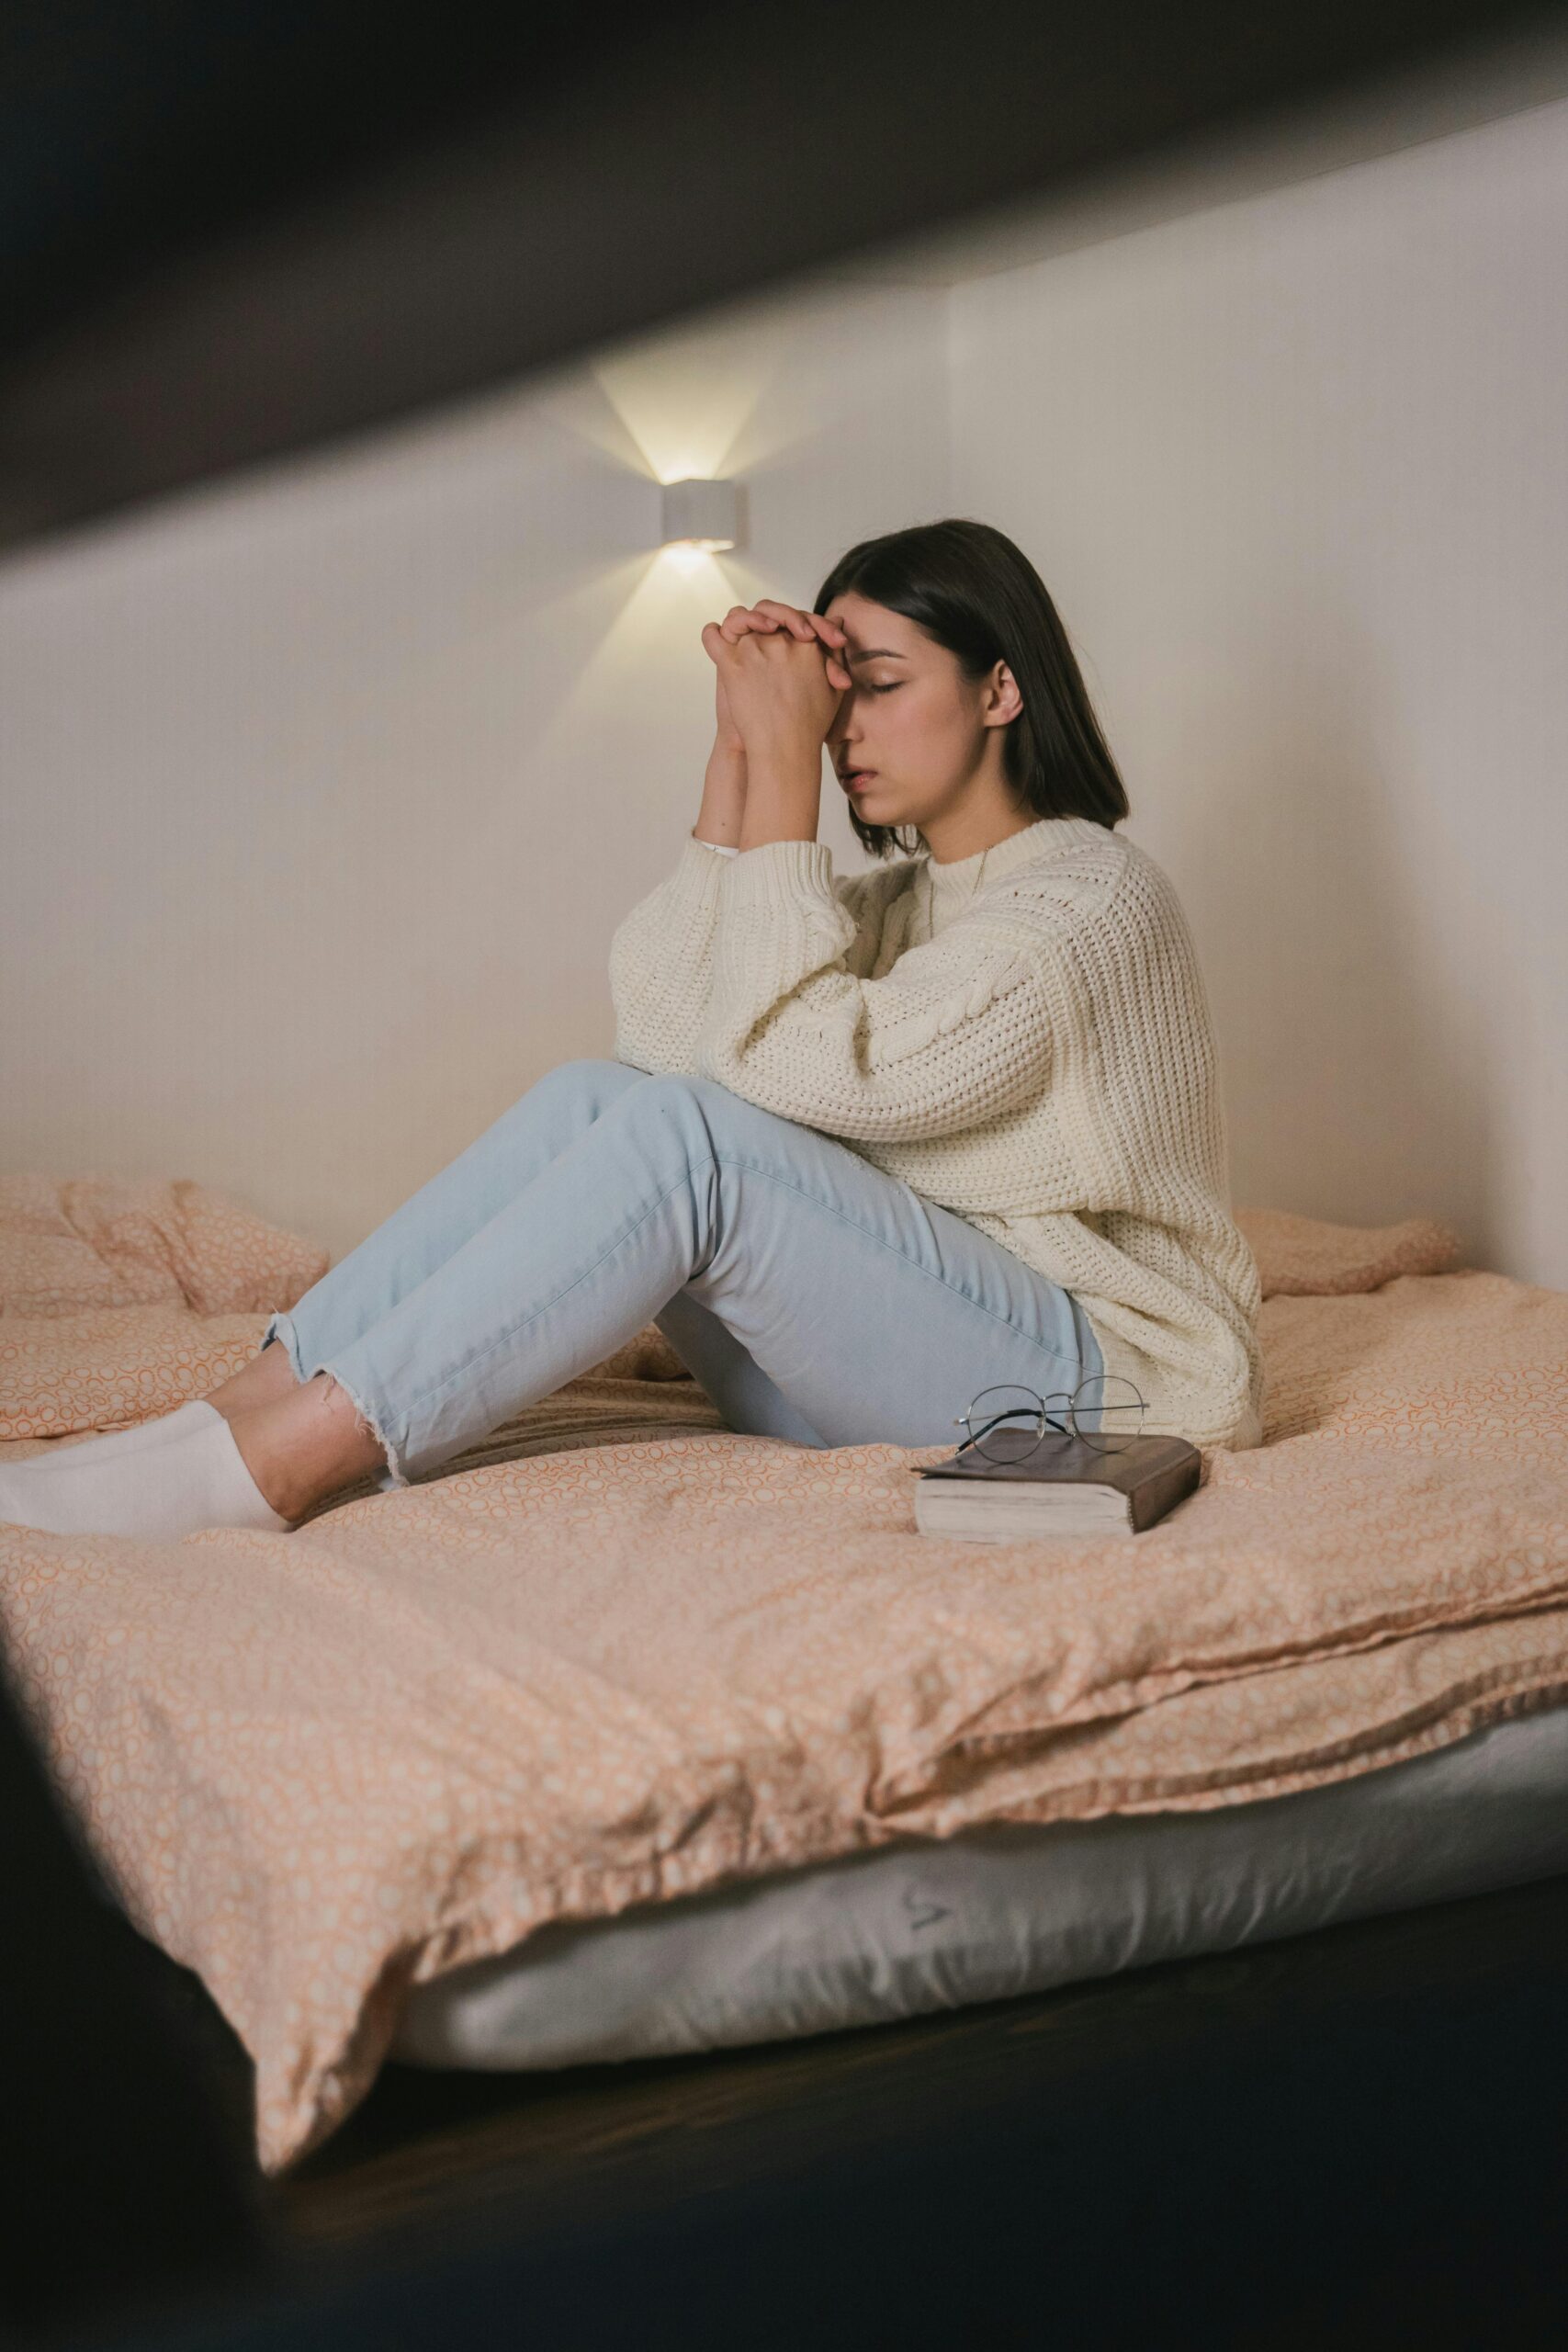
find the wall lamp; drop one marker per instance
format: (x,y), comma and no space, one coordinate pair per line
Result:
(701,514)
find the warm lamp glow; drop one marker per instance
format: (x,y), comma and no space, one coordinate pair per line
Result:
(685,557)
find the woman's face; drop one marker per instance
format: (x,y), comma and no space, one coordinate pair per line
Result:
(929,738)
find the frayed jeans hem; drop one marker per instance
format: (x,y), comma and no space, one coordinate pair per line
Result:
(281,1329)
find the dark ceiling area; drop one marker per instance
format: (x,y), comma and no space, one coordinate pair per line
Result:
(233,230)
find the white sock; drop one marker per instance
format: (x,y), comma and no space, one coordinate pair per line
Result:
(153,1432)
(157,1492)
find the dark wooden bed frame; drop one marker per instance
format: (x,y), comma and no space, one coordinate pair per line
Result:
(1354,2137)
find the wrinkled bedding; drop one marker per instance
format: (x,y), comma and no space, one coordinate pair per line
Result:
(622,1653)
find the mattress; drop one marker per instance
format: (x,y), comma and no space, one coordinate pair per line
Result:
(933,1924)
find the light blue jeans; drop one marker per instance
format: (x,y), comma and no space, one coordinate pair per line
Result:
(813,1297)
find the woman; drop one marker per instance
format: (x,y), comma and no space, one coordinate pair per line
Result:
(869,1145)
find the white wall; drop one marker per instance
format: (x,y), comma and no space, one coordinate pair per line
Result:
(323,791)
(1296,470)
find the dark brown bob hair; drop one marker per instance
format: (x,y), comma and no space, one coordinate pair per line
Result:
(972,590)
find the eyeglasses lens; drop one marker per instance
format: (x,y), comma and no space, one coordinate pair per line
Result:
(1108,1413)
(1006,1424)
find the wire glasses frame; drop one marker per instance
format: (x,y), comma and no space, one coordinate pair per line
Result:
(1006,1424)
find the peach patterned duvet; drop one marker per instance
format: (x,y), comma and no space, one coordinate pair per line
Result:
(620,1653)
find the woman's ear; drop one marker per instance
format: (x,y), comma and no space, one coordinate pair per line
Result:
(1003,701)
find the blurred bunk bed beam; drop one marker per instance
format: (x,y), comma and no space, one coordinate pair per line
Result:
(232,235)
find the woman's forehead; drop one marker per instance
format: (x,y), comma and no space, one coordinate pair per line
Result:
(872,629)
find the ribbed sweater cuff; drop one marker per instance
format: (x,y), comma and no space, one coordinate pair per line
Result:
(698,864)
(778,876)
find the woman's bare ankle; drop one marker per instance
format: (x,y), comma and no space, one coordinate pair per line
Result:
(300,1451)
(261,1382)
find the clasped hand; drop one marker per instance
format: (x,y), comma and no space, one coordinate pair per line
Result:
(780,675)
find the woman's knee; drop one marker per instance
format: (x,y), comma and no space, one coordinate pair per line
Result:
(703,1102)
(587,1080)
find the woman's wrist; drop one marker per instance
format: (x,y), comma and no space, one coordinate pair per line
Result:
(784,793)
(724,795)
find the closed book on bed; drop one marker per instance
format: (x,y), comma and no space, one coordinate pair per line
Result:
(1065,1487)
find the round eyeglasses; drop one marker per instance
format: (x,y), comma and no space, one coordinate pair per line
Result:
(1007,1424)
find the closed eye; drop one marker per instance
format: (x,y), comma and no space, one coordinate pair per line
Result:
(886,690)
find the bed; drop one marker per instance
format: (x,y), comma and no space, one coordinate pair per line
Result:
(992,1912)
(660,1741)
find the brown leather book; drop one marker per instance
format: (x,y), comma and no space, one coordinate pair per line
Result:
(1064,1486)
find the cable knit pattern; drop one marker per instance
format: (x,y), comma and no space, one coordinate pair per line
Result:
(1023,1037)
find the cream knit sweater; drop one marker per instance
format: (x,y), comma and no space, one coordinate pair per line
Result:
(1021,1036)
